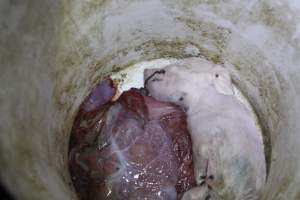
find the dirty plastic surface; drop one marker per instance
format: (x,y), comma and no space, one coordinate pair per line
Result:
(49,64)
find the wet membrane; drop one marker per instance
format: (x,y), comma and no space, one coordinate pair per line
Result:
(133,148)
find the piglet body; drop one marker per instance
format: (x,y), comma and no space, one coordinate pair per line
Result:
(228,150)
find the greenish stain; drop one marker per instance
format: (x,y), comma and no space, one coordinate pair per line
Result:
(238,67)
(91,7)
(298,194)
(269,15)
(116,68)
(266,135)
(218,35)
(284,184)
(272,16)
(267,145)
(175,49)
(214,57)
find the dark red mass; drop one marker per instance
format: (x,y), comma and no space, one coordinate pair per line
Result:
(134,148)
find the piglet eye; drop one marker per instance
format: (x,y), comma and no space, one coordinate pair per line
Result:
(181,99)
(162,71)
(156,79)
(217,75)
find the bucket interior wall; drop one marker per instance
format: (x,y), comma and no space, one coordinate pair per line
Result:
(53,52)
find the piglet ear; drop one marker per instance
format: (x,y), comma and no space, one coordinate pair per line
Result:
(222,81)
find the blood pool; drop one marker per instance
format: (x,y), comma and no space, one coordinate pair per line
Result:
(133,148)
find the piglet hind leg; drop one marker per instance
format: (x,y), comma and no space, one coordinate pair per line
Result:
(197,193)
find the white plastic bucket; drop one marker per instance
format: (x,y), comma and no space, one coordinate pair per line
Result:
(53,52)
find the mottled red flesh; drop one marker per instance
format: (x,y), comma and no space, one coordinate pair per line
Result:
(134,148)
